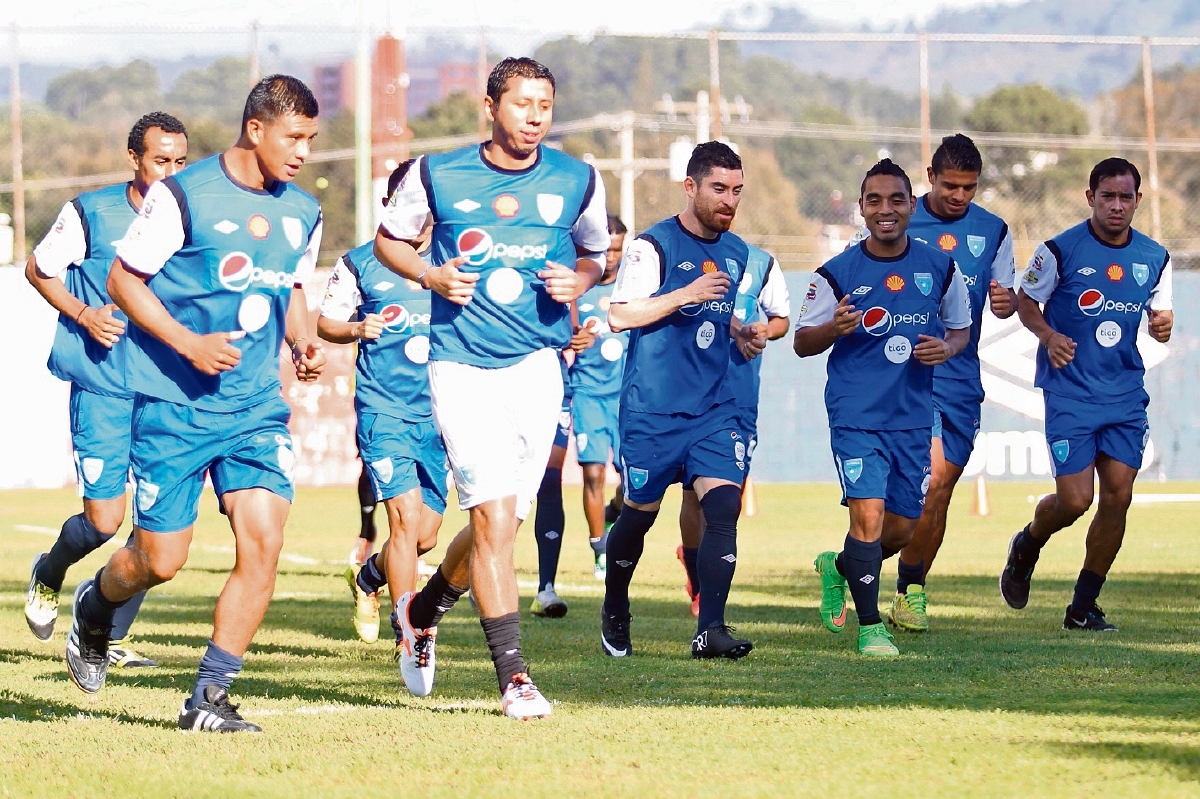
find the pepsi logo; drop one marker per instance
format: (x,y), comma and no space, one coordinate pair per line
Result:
(395,317)
(235,271)
(1091,302)
(475,245)
(877,321)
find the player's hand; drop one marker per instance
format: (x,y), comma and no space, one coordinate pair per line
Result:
(845,318)
(712,286)
(1001,300)
(1060,348)
(751,340)
(1160,325)
(452,283)
(585,336)
(101,324)
(371,326)
(213,354)
(308,356)
(932,350)
(563,284)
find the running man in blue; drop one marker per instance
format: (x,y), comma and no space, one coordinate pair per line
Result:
(678,419)
(69,268)
(879,394)
(1083,295)
(518,232)
(401,450)
(216,258)
(761,294)
(981,245)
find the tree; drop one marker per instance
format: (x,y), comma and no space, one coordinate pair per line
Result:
(1028,108)
(216,92)
(457,114)
(112,97)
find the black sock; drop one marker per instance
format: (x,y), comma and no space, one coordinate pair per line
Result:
(504,640)
(95,611)
(689,564)
(78,538)
(862,563)
(366,501)
(909,575)
(1087,590)
(625,542)
(1027,548)
(370,579)
(599,545)
(716,557)
(548,523)
(888,552)
(837,564)
(613,509)
(433,601)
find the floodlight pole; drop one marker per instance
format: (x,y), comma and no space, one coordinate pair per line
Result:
(926,146)
(714,84)
(18,172)
(362,132)
(1151,140)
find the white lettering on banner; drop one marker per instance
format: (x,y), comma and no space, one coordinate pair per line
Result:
(1019,453)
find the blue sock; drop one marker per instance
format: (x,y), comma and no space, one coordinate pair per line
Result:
(716,557)
(909,575)
(1087,591)
(370,579)
(217,667)
(95,612)
(861,563)
(689,564)
(78,539)
(548,523)
(124,616)
(626,540)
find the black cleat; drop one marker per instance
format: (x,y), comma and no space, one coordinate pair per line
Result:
(614,635)
(1091,619)
(214,714)
(717,642)
(1015,578)
(87,650)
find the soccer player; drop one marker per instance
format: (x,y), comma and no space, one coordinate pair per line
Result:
(389,319)
(981,246)
(1083,295)
(210,274)
(518,230)
(879,393)
(678,410)
(69,268)
(762,292)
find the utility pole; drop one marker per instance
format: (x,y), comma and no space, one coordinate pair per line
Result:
(1151,140)
(627,173)
(18,171)
(362,132)
(481,75)
(714,83)
(926,146)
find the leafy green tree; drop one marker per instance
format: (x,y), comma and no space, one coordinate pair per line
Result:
(108,96)
(457,114)
(217,91)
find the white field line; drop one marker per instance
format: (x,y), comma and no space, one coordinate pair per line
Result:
(1138,499)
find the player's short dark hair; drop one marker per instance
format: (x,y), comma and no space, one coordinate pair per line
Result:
(886,167)
(398,175)
(616,227)
(155,119)
(276,95)
(957,152)
(516,68)
(1111,168)
(709,156)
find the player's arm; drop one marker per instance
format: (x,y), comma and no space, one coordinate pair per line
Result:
(1159,310)
(824,318)
(590,234)
(307,355)
(750,339)
(775,303)
(634,303)
(1001,295)
(343,298)
(1038,282)
(955,314)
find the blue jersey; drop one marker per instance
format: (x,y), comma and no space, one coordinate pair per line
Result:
(1095,294)
(220,257)
(980,244)
(743,374)
(874,382)
(81,247)
(679,364)
(597,370)
(391,376)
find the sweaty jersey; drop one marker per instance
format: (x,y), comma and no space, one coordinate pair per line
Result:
(1095,294)
(508,224)
(391,377)
(597,371)
(221,257)
(874,382)
(762,291)
(679,364)
(81,248)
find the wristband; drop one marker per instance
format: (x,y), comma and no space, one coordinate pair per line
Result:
(81,310)
(421,277)
(296,343)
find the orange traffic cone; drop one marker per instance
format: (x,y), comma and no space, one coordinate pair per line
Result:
(749,499)
(980,504)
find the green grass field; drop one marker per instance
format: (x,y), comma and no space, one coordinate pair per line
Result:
(992,702)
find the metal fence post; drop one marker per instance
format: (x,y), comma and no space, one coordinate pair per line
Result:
(714,83)
(18,172)
(926,147)
(627,174)
(362,132)
(255,72)
(1151,141)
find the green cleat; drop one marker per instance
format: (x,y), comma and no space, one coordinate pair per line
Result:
(875,641)
(908,610)
(833,592)
(366,608)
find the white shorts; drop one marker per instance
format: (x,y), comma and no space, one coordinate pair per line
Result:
(498,425)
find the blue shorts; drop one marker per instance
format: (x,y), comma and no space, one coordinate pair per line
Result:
(403,456)
(892,465)
(956,407)
(595,420)
(1076,431)
(660,449)
(100,428)
(747,422)
(174,445)
(562,433)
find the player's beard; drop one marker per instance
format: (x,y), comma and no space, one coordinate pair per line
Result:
(709,218)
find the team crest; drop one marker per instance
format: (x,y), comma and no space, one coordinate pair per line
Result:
(506,206)
(638,477)
(92,469)
(1141,273)
(1061,449)
(852,469)
(581,442)
(924,282)
(147,495)
(383,470)
(293,230)
(550,207)
(947,242)
(258,226)
(976,244)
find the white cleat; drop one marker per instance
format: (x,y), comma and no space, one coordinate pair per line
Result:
(523,701)
(41,604)
(415,654)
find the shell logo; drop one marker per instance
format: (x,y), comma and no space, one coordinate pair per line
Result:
(506,206)
(259,226)
(1115,273)
(708,267)
(947,242)
(894,283)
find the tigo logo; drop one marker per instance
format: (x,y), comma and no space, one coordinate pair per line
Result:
(1108,333)
(947,242)
(894,283)
(877,321)
(1091,302)
(1115,272)
(897,349)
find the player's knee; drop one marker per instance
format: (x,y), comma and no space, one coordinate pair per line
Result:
(1118,498)
(106,517)
(1075,503)
(160,567)
(722,506)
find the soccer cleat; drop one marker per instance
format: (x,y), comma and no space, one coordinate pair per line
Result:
(123,656)
(908,610)
(87,650)
(833,592)
(41,604)
(214,714)
(522,700)
(366,607)
(600,570)
(717,642)
(416,652)
(548,604)
(875,641)
(1015,578)
(1092,619)
(614,635)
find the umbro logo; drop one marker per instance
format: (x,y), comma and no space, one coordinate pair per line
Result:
(466,206)
(551,535)
(624,564)
(1087,271)
(867,579)
(687,266)
(384,286)
(729,558)
(225,226)
(862,290)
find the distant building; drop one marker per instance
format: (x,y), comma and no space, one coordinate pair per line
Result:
(333,84)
